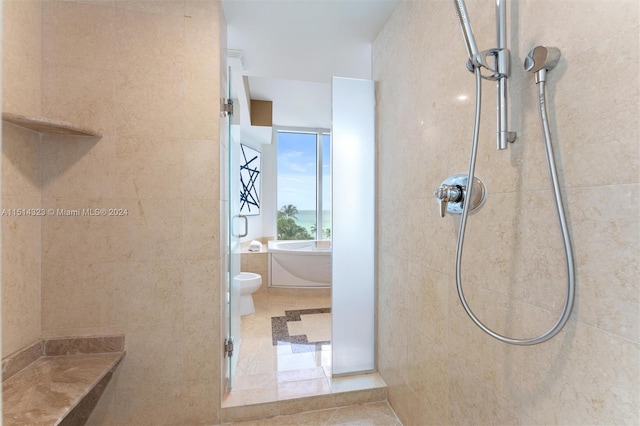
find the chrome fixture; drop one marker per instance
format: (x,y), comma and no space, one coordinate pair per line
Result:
(540,60)
(465,26)
(453,192)
(246,226)
(500,70)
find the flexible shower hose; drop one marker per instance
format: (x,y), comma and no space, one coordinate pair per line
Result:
(570,290)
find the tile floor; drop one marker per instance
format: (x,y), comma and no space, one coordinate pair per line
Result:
(375,413)
(289,369)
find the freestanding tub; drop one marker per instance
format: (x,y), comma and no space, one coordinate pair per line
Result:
(299,263)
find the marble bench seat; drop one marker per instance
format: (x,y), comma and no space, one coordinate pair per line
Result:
(62,385)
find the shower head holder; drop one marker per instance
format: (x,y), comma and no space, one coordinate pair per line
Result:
(501,67)
(540,60)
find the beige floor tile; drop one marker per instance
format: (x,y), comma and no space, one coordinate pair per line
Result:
(254,381)
(296,328)
(288,390)
(298,361)
(317,327)
(261,365)
(251,365)
(297,375)
(268,373)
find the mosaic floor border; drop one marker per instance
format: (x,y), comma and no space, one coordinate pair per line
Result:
(299,343)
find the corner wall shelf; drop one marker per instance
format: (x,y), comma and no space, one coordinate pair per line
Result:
(46,125)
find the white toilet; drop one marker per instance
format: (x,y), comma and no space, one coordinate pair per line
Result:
(249,284)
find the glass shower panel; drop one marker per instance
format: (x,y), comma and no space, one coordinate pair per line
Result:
(353,211)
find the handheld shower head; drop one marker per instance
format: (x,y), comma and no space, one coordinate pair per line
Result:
(540,60)
(465,26)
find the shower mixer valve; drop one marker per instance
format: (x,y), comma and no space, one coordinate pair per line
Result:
(453,191)
(448,194)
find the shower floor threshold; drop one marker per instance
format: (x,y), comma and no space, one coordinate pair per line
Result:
(344,391)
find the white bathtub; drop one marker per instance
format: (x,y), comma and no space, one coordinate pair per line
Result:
(299,263)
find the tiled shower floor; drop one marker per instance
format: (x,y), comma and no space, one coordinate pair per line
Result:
(285,352)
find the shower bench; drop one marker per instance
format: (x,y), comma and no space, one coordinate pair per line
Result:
(58,381)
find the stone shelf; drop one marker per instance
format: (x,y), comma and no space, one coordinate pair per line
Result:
(47,125)
(58,382)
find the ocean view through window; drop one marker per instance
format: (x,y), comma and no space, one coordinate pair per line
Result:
(304,184)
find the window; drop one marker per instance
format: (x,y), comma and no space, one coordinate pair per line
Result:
(304,185)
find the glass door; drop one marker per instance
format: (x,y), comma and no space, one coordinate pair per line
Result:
(237,228)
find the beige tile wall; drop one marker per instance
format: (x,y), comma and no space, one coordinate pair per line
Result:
(21,66)
(447,371)
(21,56)
(147,75)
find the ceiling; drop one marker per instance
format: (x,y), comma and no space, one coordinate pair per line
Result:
(292,48)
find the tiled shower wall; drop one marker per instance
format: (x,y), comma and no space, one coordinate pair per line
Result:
(147,75)
(21,67)
(440,368)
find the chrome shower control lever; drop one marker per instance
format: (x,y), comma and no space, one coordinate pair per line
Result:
(447,194)
(453,192)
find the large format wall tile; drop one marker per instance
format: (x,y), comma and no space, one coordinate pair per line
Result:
(81,36)
(593,383)
(201,103)
(21,94)
(608,285)
(82,96)
(21,57)
(151,231)
(77,295)
(150,43)
(200,233)
(583,107)
(77,167)
(146,75)
(20,305)
(199,34)
(148,167)
(440,368)
(69,234)
(162,7)
(20,171)
(20,274)
(200,169)
(149,105)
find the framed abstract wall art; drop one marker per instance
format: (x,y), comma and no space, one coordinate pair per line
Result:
(249,181)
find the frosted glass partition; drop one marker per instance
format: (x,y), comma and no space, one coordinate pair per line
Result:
(353,221)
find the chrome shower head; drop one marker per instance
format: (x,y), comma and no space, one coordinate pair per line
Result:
(465,26)
(540,60)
